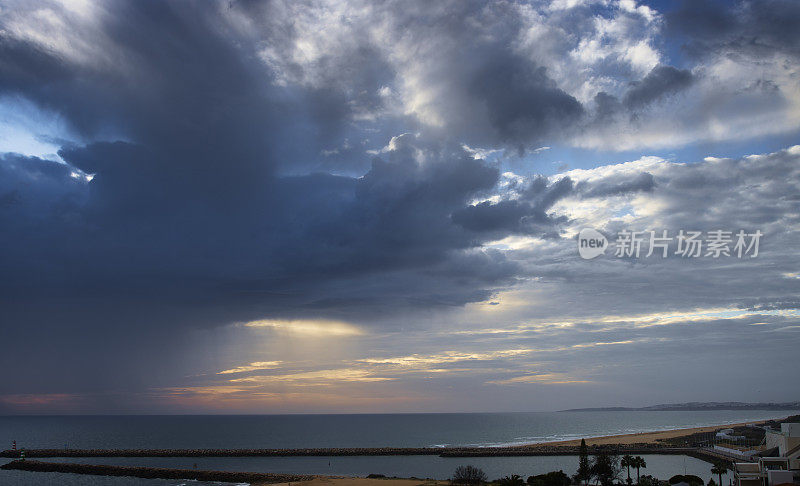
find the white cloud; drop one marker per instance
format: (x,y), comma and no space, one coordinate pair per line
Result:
(309,328)
(254,366)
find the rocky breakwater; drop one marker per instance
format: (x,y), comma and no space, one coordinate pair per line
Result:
(559,450)
(339,451)
(530,450)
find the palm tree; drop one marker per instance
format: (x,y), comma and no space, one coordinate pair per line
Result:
(605,467)
(626,462)
(719,469)
(513,480)
(638,462)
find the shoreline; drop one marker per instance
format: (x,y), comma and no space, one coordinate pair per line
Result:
(650,437)
(639,443)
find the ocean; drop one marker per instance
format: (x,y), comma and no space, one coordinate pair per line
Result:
(300,431)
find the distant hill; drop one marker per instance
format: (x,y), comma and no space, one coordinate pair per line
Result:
(695,406)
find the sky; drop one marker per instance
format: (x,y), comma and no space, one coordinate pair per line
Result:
(353,206)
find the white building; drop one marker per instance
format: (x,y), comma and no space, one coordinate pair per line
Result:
(773,471)
(788,443)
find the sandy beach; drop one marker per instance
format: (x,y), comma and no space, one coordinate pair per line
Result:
(647,437)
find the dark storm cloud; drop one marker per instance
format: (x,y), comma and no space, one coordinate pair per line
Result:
(657,86)
(523,104)
(644,182)
(482,90)
(192,195)
(526,215)
(33,180)
(761,27)
(133,258)
(606,106)
(487,216)
(177,80)
(136,228)
(660,82)
(187,220)
(529,212)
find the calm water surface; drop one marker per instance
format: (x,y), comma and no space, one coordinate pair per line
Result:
(296,431)
(397,430)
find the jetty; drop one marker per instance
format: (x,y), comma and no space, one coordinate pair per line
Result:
(528,450)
